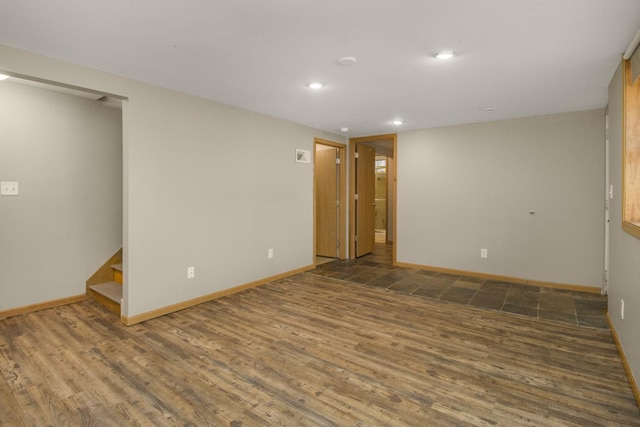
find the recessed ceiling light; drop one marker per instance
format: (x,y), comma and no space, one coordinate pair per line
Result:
(397,122)
(344,129)
(315,85)
(3,77)
(445,54)
(346,60)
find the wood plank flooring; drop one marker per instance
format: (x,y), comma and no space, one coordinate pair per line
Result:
(310,350)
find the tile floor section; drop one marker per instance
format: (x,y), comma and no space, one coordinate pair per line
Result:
(578,308)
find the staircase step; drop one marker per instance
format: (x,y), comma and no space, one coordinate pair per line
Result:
(117,273)
(110,290)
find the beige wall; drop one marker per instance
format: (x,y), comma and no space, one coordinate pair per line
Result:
(469,187)
(205,185)
(66,154)
(624,270)
(459,189)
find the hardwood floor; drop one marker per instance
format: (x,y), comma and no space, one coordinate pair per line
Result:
(310,350)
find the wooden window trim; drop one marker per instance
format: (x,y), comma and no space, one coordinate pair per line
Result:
(630,141)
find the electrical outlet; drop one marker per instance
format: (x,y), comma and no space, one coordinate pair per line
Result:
(191,272)
(270,253)
(483,253)
(8,188)
(622,309)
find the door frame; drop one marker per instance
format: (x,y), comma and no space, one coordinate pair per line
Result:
(353,142)
(607,205)
(342,186)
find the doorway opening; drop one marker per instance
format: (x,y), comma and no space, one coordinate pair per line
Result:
(55,118)
(372,219)
(329,234)
(381,196)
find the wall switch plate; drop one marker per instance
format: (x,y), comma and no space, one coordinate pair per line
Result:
(191,272)
(483,253)
(270,253)
(8,188)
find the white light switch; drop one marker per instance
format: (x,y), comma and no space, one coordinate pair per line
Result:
(8,188)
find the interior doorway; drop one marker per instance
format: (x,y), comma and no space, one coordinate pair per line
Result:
(382,195)
(329,201)
(372,195)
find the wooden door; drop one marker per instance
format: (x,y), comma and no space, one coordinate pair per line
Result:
(327,218)
(365,199)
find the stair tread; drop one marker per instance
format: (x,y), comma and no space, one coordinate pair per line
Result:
(117,267)
(111,290)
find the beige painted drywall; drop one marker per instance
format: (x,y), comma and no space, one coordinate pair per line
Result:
(66,154)
(624,268)
(469,187)
(205,185)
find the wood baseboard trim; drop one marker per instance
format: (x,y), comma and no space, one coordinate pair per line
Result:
(128,321)
(568,287)
(625,363)
(41,306)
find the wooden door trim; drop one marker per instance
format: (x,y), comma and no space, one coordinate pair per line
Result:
(353,142)
(352,198)
(342,149)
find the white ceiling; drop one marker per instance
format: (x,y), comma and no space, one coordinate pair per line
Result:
(519,57)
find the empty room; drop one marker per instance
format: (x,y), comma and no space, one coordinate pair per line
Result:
(410,213)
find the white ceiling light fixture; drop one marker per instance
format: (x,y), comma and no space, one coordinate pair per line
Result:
(3,77)
(397,122)
(347,61)
(315,85)
(445,54)
(344,129)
